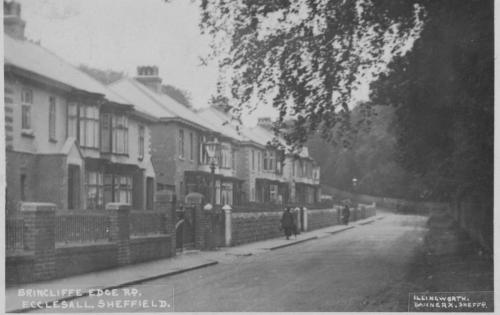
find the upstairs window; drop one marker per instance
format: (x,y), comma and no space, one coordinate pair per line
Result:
(253,160)
(52,118)
(106,132)
(88,120)
(191,146)
(181,143)
(73,120)
(141,142)
(120,134)
(26,103)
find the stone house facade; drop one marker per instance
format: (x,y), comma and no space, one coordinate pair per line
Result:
(69,139)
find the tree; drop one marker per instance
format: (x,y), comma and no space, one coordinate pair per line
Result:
(177,94)
(305,57)
(443,93)
(104,76)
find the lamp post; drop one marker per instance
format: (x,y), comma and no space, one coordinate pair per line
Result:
(212,148)
(354,186)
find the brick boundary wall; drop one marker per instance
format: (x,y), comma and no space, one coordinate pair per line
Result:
(42,260)
(317,219)
(250,227)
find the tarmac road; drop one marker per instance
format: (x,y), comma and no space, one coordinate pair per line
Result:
(348,271)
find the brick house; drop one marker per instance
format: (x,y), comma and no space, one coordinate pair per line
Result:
(178,139)
(69,139)
(276,175)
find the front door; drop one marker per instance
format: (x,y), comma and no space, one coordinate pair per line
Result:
(73,186)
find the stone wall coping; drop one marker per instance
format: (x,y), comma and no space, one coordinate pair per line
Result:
(38,207)
(118,206)
(255,214)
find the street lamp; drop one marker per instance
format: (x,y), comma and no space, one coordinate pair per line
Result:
(354,186)
(212,148)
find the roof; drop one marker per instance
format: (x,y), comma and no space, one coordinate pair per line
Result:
(158,104)
(129,90)
(221,123)
(34,58)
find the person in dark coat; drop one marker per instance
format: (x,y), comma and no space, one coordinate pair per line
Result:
(346,213)
(287,223)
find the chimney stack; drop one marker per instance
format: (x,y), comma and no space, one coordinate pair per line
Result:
(12,23)
(149,76)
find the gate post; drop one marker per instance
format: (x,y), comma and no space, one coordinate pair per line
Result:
(165,202)
(227,215)
(119,215)
(196,200)
(39,221)
(306,213)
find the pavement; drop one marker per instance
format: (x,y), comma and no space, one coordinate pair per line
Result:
(85,284)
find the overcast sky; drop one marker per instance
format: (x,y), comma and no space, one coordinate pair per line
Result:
(120,35)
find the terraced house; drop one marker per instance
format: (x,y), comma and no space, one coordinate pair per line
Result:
(69,139)
(178,140)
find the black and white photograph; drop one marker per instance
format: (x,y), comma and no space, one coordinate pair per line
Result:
(248,156)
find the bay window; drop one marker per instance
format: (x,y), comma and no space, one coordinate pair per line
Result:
(141,142)
(95,190)
(83,124)
(120,134)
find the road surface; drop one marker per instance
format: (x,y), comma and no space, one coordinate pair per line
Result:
(348,271)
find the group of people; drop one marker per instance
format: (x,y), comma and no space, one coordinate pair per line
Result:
(289,226)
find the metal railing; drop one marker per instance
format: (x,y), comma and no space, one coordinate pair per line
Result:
(82,227)
(14,234)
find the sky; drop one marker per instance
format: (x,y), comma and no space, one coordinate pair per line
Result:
(121,35)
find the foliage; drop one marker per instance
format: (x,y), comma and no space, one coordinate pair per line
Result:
(305,57)
(443,93)
(104,76)
(177,94)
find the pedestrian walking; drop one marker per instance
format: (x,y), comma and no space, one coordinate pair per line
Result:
(287,223)
(346,213)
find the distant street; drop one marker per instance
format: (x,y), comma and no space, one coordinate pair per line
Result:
(349,271)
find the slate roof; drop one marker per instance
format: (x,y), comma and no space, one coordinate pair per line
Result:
(36,59)
(158,104)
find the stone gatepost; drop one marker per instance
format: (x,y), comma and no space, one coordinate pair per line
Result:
(227,226)
(196,200)
(166,202)
(119,216)
(39,237)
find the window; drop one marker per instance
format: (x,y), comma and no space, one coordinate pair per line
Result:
(123,189)
(120,134)
(106,134)
(83,124)
(259,158)
(226,158)
(26,103)
(89,126)
(227,194)
(52,118)
(273,192)
(253,160)
(203,156)
(266,160)
(141,142)
(95,190)
(72,120)
(117,188)
(191,146)
(181,143)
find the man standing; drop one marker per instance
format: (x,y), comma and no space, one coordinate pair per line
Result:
(287,223)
